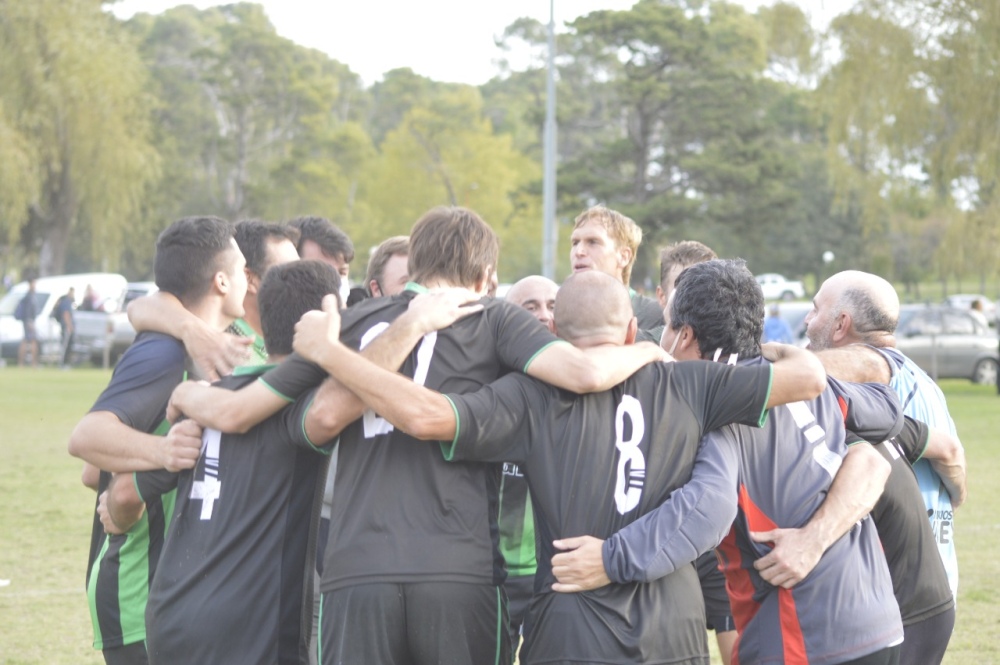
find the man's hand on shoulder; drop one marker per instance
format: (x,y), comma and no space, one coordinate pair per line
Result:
(442,307)
(215,354)
(181,447)
(580,565)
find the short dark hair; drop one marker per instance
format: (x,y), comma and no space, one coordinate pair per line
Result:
(188,254)
(452,243)
(288,291)
(324,233)
(253,235)
(388,248)
(683,253)
(723,304)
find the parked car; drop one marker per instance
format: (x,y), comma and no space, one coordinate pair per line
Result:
(109,286)
(104,335)
(948,343)
(776,287)
(965,300)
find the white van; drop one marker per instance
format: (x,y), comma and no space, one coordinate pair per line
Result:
(110,287)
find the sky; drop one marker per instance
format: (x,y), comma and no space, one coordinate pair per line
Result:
(445,40)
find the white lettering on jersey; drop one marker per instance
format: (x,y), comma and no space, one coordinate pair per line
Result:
(628,490)
(210,489)
(814,433)
(374,424)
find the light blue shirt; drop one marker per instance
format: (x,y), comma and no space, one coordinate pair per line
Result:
(923,400)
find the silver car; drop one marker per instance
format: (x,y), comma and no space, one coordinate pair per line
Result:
(948,343)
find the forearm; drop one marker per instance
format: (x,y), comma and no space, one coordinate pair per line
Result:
(593,370)
(947,457)
(226,410)
(162,312)
(693,520)
(856,363)
(422,413)
(336,404)
(124,505)
(855,490)
(797,375)
(104,441)
(91,476)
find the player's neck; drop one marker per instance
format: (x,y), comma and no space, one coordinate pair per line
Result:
(210,311)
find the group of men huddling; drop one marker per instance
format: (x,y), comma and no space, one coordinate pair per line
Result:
(650,435)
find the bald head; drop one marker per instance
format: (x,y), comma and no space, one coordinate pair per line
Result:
(593,308)
(853,306)
(536,294)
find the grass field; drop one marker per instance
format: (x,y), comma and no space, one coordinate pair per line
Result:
(45,524)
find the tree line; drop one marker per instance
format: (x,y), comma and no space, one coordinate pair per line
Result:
(876,140)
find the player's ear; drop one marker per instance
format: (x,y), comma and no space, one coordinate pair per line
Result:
(632,331)
(220,281)
(374,288)
(843,327)
(484,283)
(661,297)
(253,281)
(624,256)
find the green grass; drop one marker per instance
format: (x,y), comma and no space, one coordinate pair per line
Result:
(46,520)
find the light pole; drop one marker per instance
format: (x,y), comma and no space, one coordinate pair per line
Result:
(550,232)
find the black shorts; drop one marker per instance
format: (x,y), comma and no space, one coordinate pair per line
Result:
(718,613)
(925,642)
(414,624)
(30,334)
(130,654)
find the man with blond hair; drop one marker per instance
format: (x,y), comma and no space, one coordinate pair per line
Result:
(606,240)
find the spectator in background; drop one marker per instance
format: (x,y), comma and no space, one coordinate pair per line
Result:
(90,300)
(63,313)
(26,312)
(976,309)
(775,327)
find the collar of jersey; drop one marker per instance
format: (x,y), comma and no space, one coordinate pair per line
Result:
(417,288)
(252,370)
(258,342)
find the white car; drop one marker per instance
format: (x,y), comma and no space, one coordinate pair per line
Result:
(109,286)
(776,287)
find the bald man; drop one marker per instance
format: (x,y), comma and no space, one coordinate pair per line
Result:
(596,462)
(854,307)
(537,295)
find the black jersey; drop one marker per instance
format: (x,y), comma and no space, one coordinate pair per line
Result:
(121,566)
(648,313)
(596,463)
(401,513)
(231,586)
(919,579)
